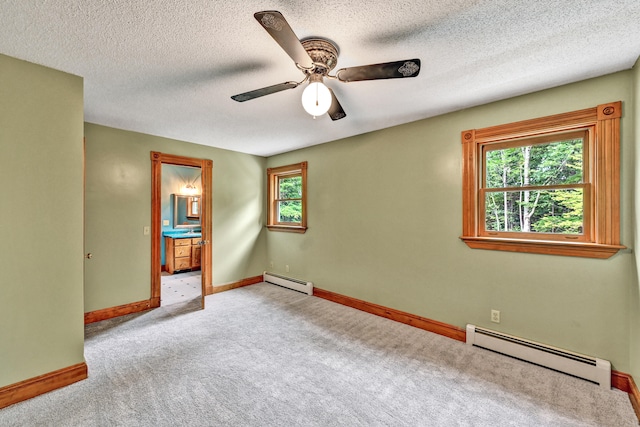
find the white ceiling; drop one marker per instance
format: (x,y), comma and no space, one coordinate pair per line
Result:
(168,67)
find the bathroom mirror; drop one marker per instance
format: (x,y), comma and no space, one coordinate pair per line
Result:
(186,211)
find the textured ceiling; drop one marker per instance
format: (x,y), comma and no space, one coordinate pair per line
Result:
(168,67)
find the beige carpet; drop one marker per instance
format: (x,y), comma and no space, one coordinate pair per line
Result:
(267,356)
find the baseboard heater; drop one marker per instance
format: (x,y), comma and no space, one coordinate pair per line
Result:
(581,366)
(288,282)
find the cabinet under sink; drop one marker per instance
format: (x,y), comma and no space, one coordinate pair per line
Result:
(182,254)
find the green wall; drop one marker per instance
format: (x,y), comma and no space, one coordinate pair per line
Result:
(41,307)
(384,216)
(118,207)
(377,230)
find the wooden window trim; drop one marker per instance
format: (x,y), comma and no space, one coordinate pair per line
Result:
(602,206)
(588,136)
(273,175)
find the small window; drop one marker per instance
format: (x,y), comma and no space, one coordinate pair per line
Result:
(548,185)
(193,208)
(287,198)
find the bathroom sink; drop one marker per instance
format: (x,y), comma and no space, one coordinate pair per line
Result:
(181,234)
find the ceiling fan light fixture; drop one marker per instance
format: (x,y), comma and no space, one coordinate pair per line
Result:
(316,57)
(316,98)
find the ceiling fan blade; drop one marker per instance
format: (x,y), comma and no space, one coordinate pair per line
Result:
(335,111)
(279,29)
(264,91)
(387,70)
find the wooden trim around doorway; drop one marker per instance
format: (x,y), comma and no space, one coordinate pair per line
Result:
(206,167)
(36,386)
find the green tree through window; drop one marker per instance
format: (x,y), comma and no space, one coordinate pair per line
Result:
(290,199)
(536,187)
(287,198)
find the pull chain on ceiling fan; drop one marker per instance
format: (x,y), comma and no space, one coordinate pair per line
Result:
(316,57)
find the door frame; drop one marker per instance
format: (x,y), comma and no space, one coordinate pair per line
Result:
(206,167)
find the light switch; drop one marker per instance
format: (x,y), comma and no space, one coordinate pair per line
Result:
(146,230)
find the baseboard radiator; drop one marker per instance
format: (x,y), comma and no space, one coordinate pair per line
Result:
(581,366)
(288,282)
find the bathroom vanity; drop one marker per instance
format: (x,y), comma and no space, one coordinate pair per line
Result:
(182,241)
(182,253)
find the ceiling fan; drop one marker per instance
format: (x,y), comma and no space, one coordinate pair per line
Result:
(316,57)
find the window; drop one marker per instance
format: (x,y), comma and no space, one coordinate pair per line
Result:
(287,192)
(193,208)
(548,185)
(535,185)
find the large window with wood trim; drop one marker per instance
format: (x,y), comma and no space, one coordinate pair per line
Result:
(548,185)
(287,193)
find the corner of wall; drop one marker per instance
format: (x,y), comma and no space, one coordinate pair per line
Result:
(634,320)
(41,170)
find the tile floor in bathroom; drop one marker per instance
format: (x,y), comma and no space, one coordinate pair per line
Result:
(180,287)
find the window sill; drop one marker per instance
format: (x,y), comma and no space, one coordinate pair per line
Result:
(287,228)
(546,247)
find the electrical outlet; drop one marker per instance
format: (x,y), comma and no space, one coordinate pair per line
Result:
(165,222)
(286,267)
(495,316)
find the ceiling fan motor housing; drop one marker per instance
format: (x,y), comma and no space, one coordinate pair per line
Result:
(323,53)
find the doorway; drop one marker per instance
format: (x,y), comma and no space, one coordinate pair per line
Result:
(203,242)
(181,239)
